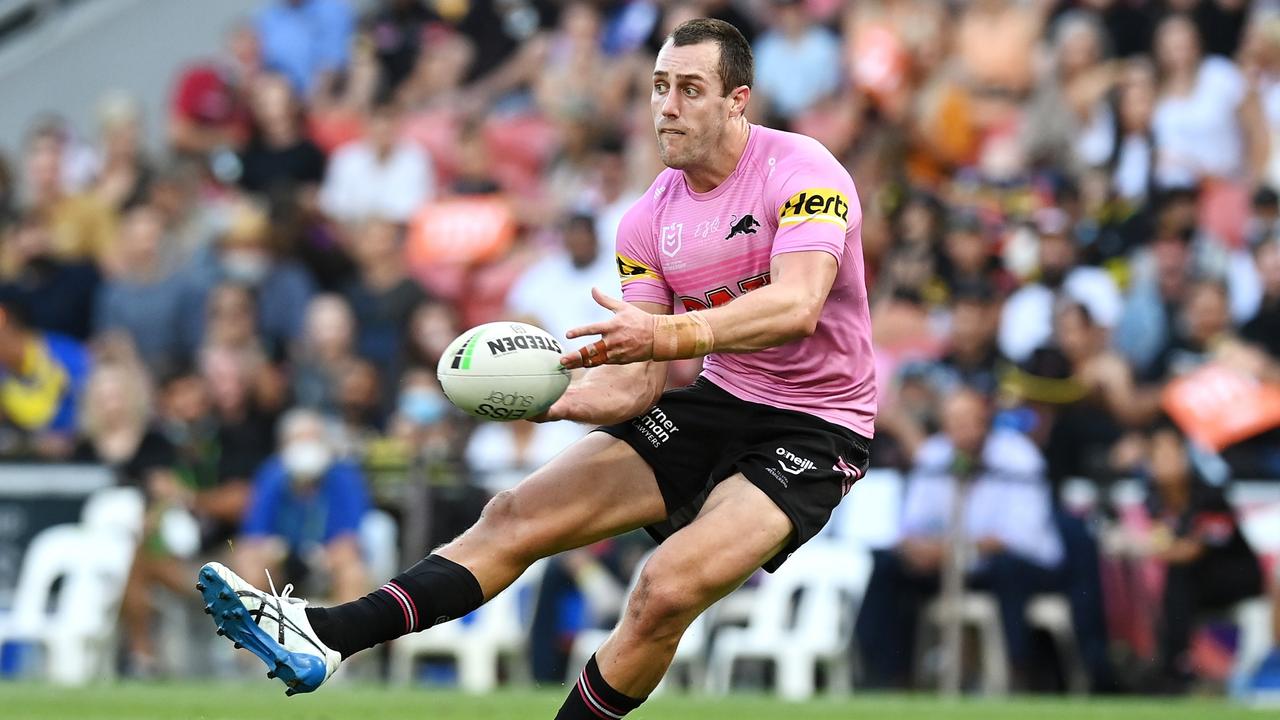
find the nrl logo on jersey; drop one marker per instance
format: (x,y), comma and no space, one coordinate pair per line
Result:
(815,205)
(672,239)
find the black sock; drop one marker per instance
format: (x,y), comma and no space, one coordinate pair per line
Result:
(433,591)
(593,699)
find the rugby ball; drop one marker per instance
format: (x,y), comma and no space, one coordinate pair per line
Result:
(503,371)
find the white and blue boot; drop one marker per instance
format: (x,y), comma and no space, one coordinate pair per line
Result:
(272,626)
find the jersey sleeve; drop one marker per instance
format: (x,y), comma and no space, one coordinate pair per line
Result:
(815,205)
(637,255)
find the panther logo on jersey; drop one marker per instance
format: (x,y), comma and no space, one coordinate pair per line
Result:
(746,226)
(629,269)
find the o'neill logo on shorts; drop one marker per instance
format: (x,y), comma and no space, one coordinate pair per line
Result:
(793,464)
(815,205)
(655,426)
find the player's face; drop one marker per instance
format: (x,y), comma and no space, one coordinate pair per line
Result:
(690,111)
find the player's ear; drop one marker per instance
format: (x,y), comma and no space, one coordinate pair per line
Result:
(738,99)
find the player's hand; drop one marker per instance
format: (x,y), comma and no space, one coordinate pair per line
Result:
(626,337)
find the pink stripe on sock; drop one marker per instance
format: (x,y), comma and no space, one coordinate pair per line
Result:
(590,705)
(413,606)
(403,607)
(586,682)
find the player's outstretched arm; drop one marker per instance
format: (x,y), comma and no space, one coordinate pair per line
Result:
(785,310)
(611,394)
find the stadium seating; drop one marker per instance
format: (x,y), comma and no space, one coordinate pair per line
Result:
(690,657)
(497,632)
(92,560)
(802,620)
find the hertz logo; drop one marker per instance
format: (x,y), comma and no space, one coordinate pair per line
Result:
(815,205)
(629,269)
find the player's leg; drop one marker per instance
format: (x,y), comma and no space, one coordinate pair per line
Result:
(738,529)
(597,488)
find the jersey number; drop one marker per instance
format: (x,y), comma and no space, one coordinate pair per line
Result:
(722,295)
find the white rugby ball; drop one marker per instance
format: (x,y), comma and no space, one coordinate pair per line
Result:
(503,371)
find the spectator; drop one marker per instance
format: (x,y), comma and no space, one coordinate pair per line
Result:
(1204,324)
(124,174)
(798,62)
(208,459)
(613,193)
(1072,96)
(1210,566)
(208,110)
(1016,554)
(1208,122)
(42,376)
(972,358)
(278,157)
(383,295)
(304,514)
(1027,319)
(55,293)
(381,176)
(570,271)
(192,220)
(115,419)
(307,41)
(243,420)
(1263,328)
(396,30)
(577,79)
(432,326)
(324,352)
(144,299)
(244,256)
(83,226)
(1122,140)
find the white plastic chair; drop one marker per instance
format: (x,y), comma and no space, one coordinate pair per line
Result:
(1050,612)
(77,634)
(980,611)
(1253,618)
(114,509)
(869,516)
(379,543)
(497,631)
(690,654)
(829,581)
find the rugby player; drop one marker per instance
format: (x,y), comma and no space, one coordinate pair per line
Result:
(753,236)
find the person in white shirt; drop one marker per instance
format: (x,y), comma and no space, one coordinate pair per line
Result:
(575,267)
(381,175)
(1013,544)
(1026,321)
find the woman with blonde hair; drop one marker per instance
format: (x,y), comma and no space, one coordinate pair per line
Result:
(117,431)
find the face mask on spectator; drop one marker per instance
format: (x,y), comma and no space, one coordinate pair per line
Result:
(422,406)
(306,460)
(246,266)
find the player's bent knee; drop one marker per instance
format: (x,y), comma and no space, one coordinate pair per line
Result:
(661,606)
(505,520)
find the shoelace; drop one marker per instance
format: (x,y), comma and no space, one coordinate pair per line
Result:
(288,588)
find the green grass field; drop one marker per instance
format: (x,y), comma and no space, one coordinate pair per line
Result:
(266,702)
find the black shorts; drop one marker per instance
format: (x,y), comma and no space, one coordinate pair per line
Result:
(698,435)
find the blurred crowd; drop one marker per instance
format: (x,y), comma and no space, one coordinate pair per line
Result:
(1068,211)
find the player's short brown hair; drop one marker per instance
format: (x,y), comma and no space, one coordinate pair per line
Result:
(736,64)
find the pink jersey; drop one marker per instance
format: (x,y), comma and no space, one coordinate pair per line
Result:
(701,250)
